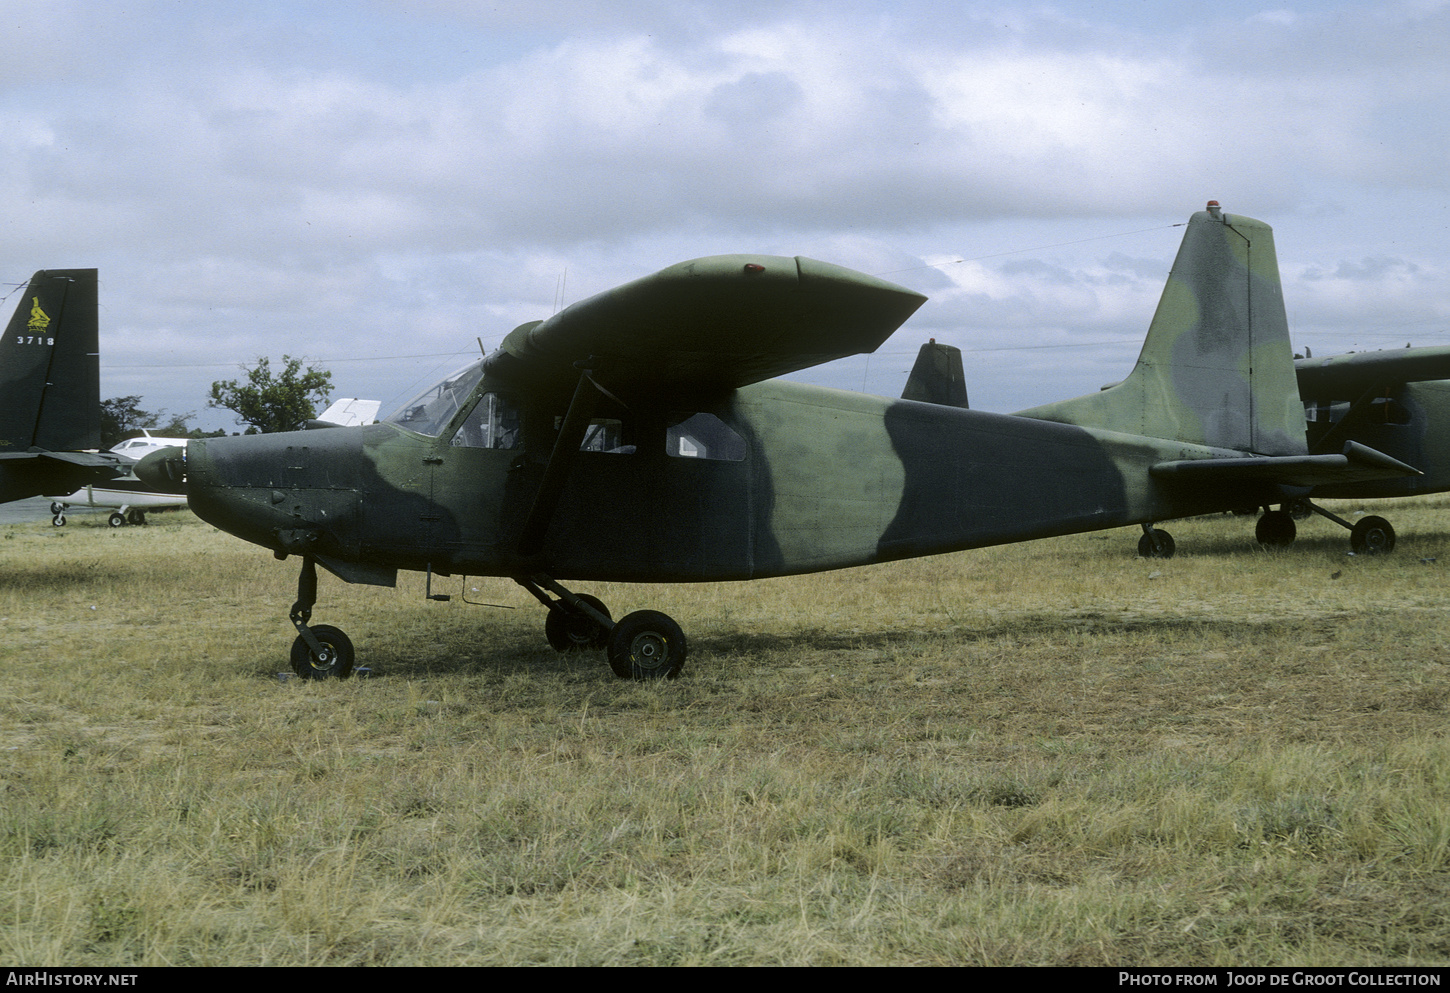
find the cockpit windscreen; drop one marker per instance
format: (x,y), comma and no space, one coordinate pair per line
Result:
(430,411)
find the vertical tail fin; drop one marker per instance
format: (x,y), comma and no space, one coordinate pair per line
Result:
(937,376)
(50,373)
(1216,368)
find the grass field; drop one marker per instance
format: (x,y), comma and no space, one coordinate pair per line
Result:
(1048,753)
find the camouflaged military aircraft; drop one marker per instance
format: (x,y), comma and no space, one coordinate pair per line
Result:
(50,389)
(636,436)
(1396,401)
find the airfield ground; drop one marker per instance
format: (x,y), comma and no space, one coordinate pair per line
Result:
(1048,753)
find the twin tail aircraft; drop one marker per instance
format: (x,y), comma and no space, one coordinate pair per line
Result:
(638,436)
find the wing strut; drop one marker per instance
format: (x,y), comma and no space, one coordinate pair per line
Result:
(561,460)
(1358,411)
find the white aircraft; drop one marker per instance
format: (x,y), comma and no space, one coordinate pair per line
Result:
(132,498)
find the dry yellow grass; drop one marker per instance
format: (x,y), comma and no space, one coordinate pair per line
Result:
(1049,753)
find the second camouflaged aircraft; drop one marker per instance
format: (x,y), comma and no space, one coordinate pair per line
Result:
(633,437)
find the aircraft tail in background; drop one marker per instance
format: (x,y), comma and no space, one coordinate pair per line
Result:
(50,389)
(50,379)
(937,376)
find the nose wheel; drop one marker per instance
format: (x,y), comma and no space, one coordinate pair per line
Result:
(321,652)
(332,659)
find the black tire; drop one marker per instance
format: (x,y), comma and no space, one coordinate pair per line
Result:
(1372,536)
(1300,510)
(135,516)
(56,509)
(569,630)
(647,645)
(337,664)
(58,521)
(115,520)
(1275,529)
(1156,544)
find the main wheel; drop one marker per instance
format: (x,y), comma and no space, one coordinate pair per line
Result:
(115,520)
(1156,544)
(647,645)
(58,521)
(1275,529)
(335,662)
(56,508)
(135,516)
(1371,536)
(569,630)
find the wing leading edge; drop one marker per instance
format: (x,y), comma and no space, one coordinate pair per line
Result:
(719,322)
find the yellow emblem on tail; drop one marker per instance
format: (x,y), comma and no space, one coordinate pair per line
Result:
(39,319)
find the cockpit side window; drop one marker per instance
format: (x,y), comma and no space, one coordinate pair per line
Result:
(492,423)
(432,410)
(703,436)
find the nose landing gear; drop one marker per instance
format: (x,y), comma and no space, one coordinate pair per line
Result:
(321,652)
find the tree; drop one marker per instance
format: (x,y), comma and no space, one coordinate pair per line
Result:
(273,403)
(122,416)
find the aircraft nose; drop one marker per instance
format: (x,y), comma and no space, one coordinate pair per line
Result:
(164,470)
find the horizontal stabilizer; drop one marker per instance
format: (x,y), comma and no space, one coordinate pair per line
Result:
(85,460)
(350,412)
(723,322)
(1357,463)
(1347,377)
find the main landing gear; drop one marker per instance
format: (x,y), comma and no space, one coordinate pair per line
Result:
(643,645)
(1155,544)
(1369,536)
(1276,529)
(117,518)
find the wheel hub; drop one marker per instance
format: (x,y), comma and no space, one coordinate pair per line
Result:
(649,650)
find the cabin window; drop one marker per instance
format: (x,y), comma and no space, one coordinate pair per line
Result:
(492,423)
(703,436)
(606,434)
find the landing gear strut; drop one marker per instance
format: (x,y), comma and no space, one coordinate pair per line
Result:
(321,652)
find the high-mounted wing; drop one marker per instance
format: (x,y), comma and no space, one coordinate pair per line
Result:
(1345,377)
(719,322)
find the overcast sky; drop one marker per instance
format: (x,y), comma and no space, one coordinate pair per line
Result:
(374,185)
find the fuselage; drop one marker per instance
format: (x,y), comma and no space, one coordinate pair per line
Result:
(772,479)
